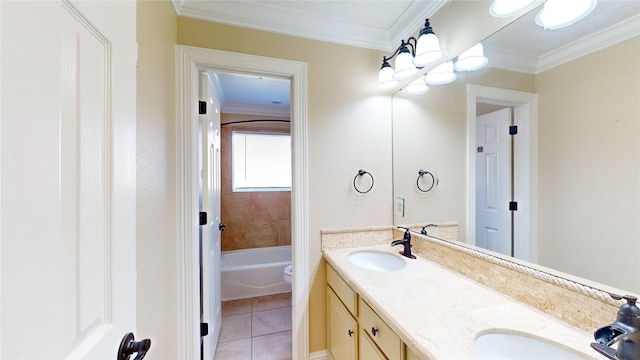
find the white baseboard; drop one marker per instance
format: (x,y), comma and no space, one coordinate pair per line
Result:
(319,355)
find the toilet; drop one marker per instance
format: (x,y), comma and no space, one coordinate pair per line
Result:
(288,271)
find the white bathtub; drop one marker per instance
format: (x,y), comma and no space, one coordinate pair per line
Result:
(254,272)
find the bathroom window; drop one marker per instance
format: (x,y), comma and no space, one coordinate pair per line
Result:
(261,161)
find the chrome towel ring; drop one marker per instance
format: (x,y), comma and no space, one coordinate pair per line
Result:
(422,173)
(362,172)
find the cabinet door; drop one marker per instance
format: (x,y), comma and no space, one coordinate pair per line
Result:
(342,330)
(367,349)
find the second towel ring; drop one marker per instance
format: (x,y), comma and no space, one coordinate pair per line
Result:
(420,174)
(360,173)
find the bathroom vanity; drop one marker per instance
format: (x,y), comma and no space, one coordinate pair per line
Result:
(354,329)
(426,311)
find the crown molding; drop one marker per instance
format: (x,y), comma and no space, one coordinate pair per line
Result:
(599,40)
(267,17)
(592,43)
(411,21)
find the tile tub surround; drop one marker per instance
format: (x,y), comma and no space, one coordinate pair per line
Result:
(579,305)
(439,313)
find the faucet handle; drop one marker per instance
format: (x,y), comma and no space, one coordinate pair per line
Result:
(630,308)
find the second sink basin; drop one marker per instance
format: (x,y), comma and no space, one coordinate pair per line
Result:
(377,260)
(520,346)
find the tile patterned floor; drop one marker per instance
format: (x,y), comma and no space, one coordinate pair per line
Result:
(256,329)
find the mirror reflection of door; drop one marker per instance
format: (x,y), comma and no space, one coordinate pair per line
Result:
(494,182)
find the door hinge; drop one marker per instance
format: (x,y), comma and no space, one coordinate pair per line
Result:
(222,226)
(204,329)
(513,130)
(480,149)
(203,218)
(513,206)
(202,107)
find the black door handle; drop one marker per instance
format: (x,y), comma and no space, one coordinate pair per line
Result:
(222,226)
(128,346)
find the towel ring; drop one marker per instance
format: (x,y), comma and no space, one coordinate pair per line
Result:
(420,174)
(360,173)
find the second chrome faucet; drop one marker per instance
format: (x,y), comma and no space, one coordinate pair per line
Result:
(406,242)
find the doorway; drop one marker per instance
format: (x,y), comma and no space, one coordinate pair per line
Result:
(525,171)
(255,143)
(190,62)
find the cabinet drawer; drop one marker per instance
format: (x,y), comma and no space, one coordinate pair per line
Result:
(384,337)
(344,292)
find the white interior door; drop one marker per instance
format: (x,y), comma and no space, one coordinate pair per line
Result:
(210,177)
(493,181)
(67,181)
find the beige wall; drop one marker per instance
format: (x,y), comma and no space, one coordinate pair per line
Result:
(253,219)
(349,128)
(157,292)
(589,166)
(430,133)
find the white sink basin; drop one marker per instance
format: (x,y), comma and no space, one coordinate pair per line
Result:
(377,260)
(520,346)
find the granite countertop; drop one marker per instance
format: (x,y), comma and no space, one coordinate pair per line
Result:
(439,313)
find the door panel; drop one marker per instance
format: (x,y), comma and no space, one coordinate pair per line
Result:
(210,177)
(493,187)
(67,137)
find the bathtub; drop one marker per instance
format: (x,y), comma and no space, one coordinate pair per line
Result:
(254,272)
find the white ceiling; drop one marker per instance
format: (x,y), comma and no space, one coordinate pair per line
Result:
(381,24)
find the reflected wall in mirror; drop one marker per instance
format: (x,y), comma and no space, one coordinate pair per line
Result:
(584,201)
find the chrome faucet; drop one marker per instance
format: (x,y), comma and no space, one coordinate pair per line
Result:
(406,241)
(625,331)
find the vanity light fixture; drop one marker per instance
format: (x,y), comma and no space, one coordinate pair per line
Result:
(506,8)
(428,47)
(557,14)
(441,74)
(385,76)
(412,55)
(404,61)
(417,87)
(472,59)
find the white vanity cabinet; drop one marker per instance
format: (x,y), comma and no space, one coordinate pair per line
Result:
(354,329)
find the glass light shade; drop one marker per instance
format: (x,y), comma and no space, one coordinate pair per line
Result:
(417,87)
(441,74)
(404,65)
(385,78)
(557,14)
(472,59)
(428,50)
(506,8)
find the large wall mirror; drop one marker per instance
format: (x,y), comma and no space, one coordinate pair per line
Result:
(574,166)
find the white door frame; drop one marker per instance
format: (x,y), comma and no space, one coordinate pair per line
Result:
(190,61)
(526,164)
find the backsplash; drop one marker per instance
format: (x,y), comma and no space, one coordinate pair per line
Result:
(574,303)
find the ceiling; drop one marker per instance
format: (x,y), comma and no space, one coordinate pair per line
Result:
(381,24)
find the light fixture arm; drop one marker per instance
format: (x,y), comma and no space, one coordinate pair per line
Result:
(410,45)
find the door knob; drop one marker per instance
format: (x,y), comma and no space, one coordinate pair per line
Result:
(128,346)
(222,226)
